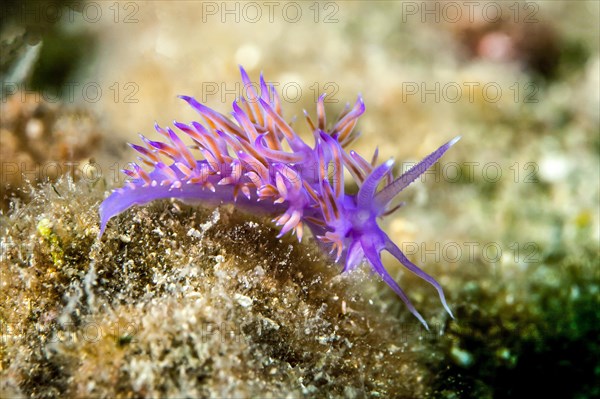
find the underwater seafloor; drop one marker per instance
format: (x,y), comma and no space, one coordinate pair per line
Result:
(185,301)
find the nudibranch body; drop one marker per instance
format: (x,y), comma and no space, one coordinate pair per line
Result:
(259,163)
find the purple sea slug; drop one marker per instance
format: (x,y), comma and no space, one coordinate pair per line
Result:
(259,163)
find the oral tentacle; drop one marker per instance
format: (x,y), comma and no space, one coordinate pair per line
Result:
(372,254)
(398,254)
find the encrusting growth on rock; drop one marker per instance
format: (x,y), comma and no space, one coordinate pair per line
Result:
(187,301)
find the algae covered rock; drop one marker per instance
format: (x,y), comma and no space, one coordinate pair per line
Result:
(179,301)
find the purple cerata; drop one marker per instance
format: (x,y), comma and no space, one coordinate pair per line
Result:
(257,162)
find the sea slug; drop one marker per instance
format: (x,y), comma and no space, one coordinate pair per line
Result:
(258,162)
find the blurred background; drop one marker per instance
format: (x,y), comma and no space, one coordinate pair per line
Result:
(508,221)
